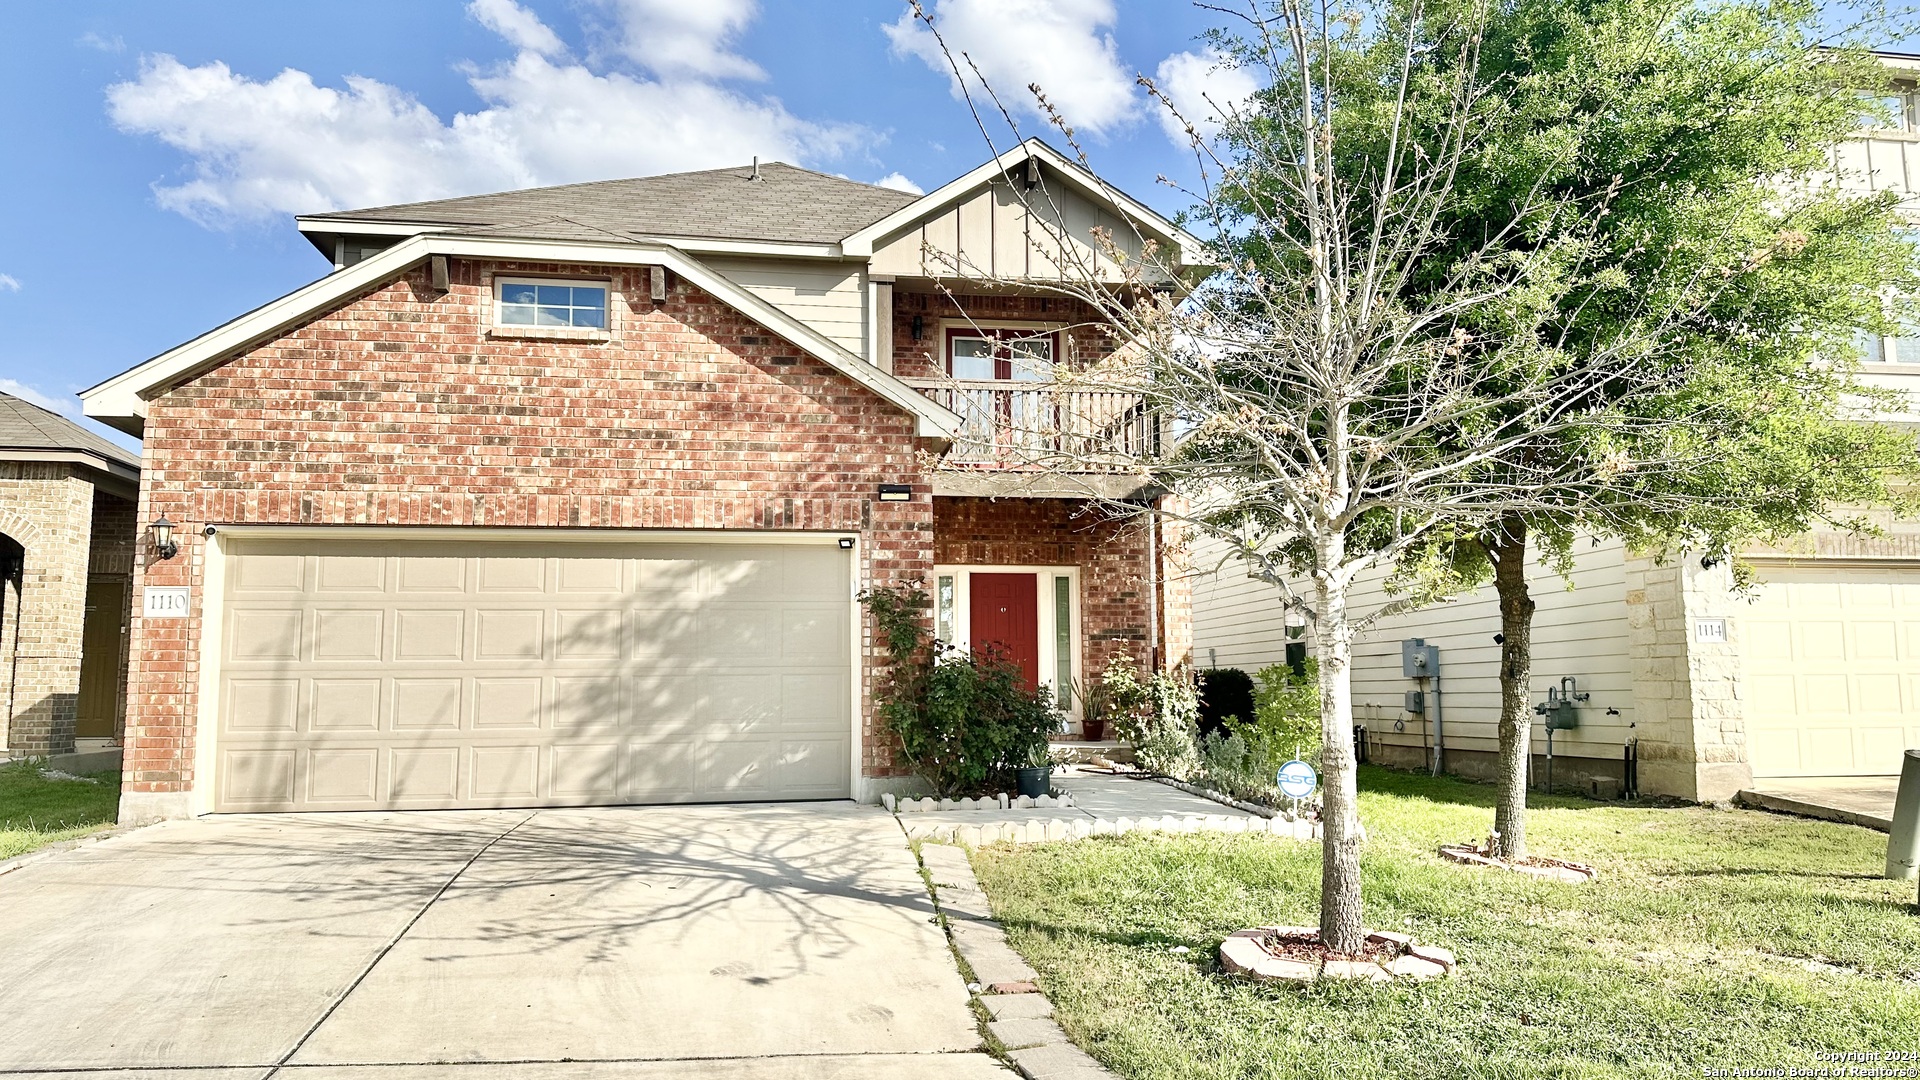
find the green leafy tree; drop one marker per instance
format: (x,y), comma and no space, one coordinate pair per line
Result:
(1698,134)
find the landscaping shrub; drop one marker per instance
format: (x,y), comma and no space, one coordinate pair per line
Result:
(1158,715)
(963,720)
(1224,692)
(1287,712)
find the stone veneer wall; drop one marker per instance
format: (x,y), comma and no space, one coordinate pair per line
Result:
(1687,694)
(48,508)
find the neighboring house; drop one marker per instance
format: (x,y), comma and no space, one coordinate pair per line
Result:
(66,565)
(564,496)
(1816,672)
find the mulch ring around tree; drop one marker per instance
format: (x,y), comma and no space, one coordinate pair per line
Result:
(1294,954)
(1473,854)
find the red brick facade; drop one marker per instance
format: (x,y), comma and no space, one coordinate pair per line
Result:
(1086,339)
(402,407)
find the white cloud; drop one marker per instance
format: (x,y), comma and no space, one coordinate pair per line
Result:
(1066,46)
(9,283)
(521,28)
(675,37)
(289,145)
(101,42)
(899,182)
(1206,88)
(69,406)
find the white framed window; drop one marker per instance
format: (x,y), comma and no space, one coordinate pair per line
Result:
(1000,352)
(550,303)
(1056,612)
(1898,109)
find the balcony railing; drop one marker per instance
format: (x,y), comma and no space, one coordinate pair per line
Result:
(1032,425)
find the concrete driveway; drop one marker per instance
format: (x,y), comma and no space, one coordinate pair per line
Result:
(789,941)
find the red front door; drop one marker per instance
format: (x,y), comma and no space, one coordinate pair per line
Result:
(1006,620)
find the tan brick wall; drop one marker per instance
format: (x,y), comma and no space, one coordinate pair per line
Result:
(1686,694)
(48,508)
(400,408)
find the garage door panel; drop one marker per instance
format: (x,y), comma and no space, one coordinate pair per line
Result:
(348,573)
(257,778)
(1843,700)
(349,636)
(659,769)
(429,634)
(505,772)
(508,635)
(426,704)
(367,674)
(424,773)
(344,705)
(428,574)
(511,704)
(345,776)
(263,635)
(260,705)
(597,635)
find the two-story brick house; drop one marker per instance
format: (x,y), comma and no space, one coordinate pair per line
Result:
(564,496)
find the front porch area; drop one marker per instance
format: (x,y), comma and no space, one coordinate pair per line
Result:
(1058,586)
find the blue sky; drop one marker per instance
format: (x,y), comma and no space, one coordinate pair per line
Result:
(151,185)
(157,152)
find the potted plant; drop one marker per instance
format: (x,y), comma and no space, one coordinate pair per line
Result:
(1095,704)
(1035,778)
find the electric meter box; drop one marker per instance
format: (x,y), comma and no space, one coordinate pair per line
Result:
(1419,660)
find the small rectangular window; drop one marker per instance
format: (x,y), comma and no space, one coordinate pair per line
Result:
(1063,640)
(943,610)
(580,305)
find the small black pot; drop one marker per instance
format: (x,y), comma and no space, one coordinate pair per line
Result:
(1034,781)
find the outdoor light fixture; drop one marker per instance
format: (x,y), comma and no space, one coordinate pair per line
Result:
(164,545)
(896,493)
(919,327)
(846,543)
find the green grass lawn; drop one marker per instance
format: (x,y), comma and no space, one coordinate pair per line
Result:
(1714,938)
(37,810)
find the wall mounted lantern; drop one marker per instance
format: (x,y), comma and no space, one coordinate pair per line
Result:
(164,545)
(919,327)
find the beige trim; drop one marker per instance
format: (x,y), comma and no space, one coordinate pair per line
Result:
(862,243)
(105,464)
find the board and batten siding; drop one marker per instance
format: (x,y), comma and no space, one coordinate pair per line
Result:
(830,297)
(990,234)
(1579,631)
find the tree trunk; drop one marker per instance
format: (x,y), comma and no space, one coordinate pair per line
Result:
(1507,548)
(1341,926)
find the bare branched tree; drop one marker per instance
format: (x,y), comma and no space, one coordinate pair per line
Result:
(1328,393)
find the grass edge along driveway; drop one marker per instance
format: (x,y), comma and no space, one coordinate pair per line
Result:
(1713,939)
(37,809)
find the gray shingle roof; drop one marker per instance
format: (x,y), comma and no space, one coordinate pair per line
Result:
(784,204)
(26,426)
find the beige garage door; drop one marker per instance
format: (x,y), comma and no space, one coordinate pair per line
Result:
(1832,661)
(394,675)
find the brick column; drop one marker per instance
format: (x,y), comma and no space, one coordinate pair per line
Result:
(1687,698)
(48,508)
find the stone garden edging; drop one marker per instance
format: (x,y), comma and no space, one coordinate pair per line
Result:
(1244,954)
(1002,801)
(1571,873)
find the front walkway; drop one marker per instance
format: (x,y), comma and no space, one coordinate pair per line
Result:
(1856,800)
(792,941)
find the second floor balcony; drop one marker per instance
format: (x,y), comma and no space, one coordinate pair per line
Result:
(1044,427)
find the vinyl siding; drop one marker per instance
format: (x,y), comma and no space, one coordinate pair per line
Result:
(1580,631)
(828,296)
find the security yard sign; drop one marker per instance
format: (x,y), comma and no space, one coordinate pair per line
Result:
(1297,779)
